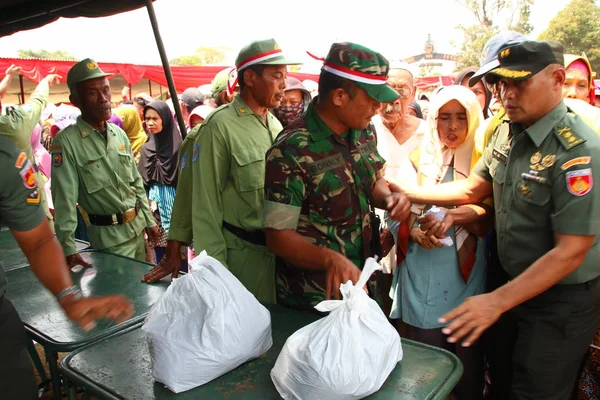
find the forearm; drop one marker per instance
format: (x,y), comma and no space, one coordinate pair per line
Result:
(296,250)
(4,84)
(464,191)
(469,213)
(173,248)
(46,258)
(380,192)
(546,272)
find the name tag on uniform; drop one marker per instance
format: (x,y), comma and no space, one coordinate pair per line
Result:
(367,148)
(499,156)
(326,164)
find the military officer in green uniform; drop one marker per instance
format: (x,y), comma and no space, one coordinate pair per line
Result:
(19,124)
(228,162)
(542,168)
(21,212)
(324,177)
(181,217)
(92,165)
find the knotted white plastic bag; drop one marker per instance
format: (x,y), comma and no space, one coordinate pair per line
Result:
(347,355)
(205,325)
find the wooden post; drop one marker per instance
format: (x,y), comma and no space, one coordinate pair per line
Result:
(22,89)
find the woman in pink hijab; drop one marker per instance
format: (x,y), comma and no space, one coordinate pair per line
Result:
(41,155)
(42,161)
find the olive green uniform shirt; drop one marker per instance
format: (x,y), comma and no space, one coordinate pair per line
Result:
(559,193)
(229,174)
(228,185)
(19,196)
(101,175)
(181,216)
(18,126)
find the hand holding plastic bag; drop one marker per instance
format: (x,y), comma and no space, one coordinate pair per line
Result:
(205,325)
(347,355)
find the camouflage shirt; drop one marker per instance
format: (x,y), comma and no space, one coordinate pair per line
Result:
(312,189)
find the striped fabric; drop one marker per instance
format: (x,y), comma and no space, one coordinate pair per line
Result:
(164,196)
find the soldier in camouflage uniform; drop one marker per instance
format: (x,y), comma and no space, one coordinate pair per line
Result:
(317,210)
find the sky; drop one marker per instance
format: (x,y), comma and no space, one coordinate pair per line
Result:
(398,29)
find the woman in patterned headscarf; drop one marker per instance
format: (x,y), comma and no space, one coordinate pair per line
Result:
(295,101)
(434,278)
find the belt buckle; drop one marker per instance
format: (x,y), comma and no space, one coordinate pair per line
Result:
(129,215)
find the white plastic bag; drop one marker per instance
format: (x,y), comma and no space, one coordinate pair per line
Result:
(206,324)
(347,355)
(439,214)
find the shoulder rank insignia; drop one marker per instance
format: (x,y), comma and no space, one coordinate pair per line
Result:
(20,160)
(567,137)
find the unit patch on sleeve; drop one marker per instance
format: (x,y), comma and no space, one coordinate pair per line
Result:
(580,182)
(28,175)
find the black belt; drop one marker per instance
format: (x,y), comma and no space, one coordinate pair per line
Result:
(116,219)
(256,237)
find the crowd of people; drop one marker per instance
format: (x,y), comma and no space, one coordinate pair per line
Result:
(478,199)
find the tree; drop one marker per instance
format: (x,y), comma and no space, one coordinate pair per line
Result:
(577,28)
(46,54)
(491,17)
(202,56)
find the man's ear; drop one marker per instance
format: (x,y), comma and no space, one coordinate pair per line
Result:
(224,99)
(338,97)
(559,75)
(74,99)
(249,77)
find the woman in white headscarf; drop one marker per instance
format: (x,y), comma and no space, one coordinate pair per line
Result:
(433,278)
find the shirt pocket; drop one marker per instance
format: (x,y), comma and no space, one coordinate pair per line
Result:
(498,171)
(249,174)
(125,161)
(532,194)
(331,197)
(94,175)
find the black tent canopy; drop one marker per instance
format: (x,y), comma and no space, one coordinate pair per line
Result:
(19,15)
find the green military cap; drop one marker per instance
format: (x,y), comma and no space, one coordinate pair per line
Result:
(523,60)
(220,80)
(84,70)
(362,65)
(262,52)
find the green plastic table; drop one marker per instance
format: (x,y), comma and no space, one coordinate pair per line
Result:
(47,324)
(11,254)
(119,368)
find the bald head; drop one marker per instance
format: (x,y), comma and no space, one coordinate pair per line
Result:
(399,73)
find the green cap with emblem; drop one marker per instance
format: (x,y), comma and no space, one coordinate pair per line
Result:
(262,52)
(523,60)
(362,65)
(82,71)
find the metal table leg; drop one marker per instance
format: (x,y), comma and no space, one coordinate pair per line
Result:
(52,360)
(35,358)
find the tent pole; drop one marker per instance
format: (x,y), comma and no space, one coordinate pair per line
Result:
(22,90)
(150,87)
(166,67)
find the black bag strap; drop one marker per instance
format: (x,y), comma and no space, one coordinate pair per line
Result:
(375,222)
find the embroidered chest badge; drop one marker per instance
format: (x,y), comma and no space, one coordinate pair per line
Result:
(195,152)
(57,159)
(580,182)
(183,162)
